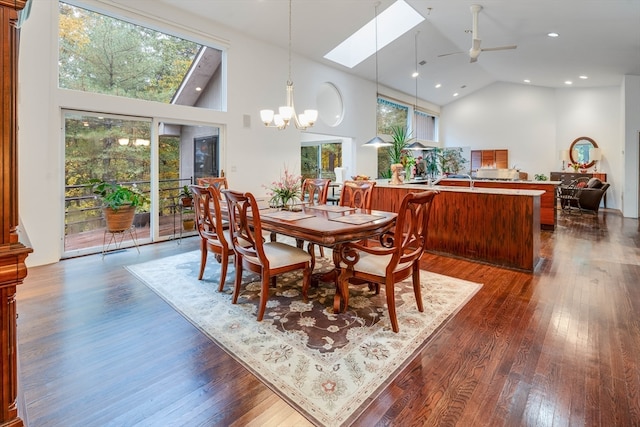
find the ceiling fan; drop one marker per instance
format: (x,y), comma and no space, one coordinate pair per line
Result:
(476,48)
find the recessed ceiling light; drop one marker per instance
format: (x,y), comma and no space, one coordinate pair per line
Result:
(455,94)
(527,81)
(415,74)
(198,89)
(584,77)
(568,82)
(553,34)
(438,86)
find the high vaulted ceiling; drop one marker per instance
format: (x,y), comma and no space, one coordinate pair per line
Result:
(598,38)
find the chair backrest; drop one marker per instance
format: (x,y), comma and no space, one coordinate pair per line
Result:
(220,183)
(244,223)
(357,194)
(208,213)
(412,226)
(315,190)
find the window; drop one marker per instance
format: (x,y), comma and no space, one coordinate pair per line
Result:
(422,127)
(106,55)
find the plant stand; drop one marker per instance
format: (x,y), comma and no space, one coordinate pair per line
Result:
(116,238)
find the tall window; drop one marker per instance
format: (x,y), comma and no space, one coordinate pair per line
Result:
(422,126)
(106,55)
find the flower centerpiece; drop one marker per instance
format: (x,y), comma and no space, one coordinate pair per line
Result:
(286,191)
(582,167)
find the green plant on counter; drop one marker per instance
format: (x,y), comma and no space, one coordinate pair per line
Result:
(540,177)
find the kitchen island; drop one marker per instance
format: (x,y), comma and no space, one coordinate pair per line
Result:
(548,211)
(492,225)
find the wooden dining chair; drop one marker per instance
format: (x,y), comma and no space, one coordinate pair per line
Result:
(213,230)
(315,190)
(219,182)
(266,258)
(357,194)
(397,259)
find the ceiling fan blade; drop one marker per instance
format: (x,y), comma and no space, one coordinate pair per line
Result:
(489,49)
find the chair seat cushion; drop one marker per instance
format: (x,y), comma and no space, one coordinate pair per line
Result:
(375,264)
(280,254)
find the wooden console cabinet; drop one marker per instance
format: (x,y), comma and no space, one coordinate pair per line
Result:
(566,176)
(12,253)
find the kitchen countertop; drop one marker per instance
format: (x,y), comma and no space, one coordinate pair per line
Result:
(422,185)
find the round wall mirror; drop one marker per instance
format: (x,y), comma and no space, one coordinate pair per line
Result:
(329,102)
(580,151)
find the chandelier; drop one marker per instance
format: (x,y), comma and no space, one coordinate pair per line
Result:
(287,113)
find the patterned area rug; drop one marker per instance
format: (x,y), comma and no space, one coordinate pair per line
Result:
(328,366)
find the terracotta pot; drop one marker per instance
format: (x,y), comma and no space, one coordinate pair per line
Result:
(188,224)
(119,220)
(187,201)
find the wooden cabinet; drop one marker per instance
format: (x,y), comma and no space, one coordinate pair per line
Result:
(498,159)
(12,253)
(566,177)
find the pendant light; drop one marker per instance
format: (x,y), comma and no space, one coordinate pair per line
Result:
(416,145)
(287,113)
(376,141)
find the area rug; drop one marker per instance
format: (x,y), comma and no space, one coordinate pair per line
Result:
(328,366)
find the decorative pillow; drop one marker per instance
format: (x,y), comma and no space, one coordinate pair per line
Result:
(581,184)
(594,183)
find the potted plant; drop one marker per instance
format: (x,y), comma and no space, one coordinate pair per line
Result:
(142,217)
(454,160)
(188,220)
(119,203)
(186,195)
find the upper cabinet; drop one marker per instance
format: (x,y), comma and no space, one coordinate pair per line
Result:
(498,159)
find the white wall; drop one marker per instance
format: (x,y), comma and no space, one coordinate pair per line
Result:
(630,152)
(535,123)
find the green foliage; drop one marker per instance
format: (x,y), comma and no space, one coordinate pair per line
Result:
(540,177)
(401,138)
(106,55)
(185,192)
(115,196)
(452,160)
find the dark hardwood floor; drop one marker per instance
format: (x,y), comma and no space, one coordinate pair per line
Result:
(560,347)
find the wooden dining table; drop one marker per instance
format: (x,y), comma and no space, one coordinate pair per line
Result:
(329,226)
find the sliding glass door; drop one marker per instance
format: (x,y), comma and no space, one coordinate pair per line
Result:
(319,159)
(121,149)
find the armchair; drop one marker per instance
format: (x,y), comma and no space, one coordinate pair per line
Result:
(397,259)
(590,197)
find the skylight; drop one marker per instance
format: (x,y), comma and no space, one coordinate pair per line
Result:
(393,22)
